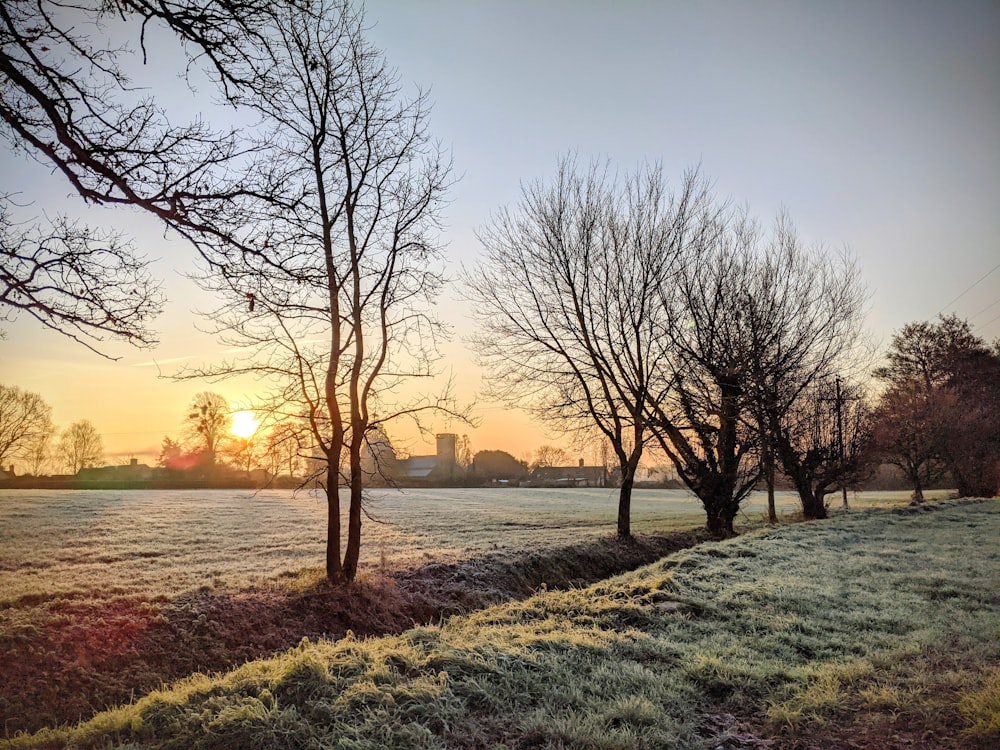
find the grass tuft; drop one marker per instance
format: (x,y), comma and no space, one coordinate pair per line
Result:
(981,709)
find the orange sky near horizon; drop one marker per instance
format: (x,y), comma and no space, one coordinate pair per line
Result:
(873,125)
(134,403)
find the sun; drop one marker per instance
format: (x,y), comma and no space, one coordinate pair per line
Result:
(245,424)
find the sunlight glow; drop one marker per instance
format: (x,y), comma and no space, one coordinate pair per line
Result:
(245,424)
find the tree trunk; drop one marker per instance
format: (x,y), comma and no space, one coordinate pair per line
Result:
(719,517)
(353,551)
(813,503)
(625,506)
(334,570)
(772,515)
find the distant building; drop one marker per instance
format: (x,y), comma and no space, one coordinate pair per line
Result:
(131,471)
(569,476)
(441,466)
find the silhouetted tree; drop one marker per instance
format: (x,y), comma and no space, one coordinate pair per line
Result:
(286,444)
(25,425)
(549,455)
(66,100)
(81,447)
(333,307)
(805,314)
(824,441)
(568,306)
(701,422)
(245,454)
(207,423)
(493,464)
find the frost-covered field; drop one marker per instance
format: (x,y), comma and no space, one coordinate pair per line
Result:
(874,629)
(166,542)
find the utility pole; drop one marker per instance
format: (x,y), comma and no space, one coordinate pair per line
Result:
(839,402)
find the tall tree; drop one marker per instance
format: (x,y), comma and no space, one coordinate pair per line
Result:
(81,447)
(944,393)
(805,316)
(207,423)
(25,423)
(568,307)
(701,421)
(333,307)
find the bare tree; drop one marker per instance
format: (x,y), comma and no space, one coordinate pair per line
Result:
(81,447)
(549,455)
(25,424)
(84,284)
(38,453)
(567,301)
(824,441)
(67,101)
(701,422)
(334,308)
(805,319)
(207,423)
(246,454)
(286,443)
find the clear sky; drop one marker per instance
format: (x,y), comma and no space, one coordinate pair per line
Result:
(876,125)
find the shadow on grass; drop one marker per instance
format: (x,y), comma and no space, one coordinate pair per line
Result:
(64,659)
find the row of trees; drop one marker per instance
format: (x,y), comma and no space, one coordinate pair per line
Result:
(29,437)
(940,412)
(674,320)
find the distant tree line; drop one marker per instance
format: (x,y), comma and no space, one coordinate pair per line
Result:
(29,438)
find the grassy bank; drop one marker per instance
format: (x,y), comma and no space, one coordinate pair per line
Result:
(882,621)
(66,657)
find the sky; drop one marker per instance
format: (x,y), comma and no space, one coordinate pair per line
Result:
(874,125)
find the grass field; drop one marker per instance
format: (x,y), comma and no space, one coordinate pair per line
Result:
(875,629)
(165,543)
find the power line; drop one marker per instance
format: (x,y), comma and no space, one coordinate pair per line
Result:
(992,320)
(973,286)
(992,304)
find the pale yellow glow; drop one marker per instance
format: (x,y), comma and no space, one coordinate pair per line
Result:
(245,424)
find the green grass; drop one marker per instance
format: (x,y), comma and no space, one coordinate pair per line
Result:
(784,628)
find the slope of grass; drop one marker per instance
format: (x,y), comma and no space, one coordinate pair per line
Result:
(771,634)
(66,658)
